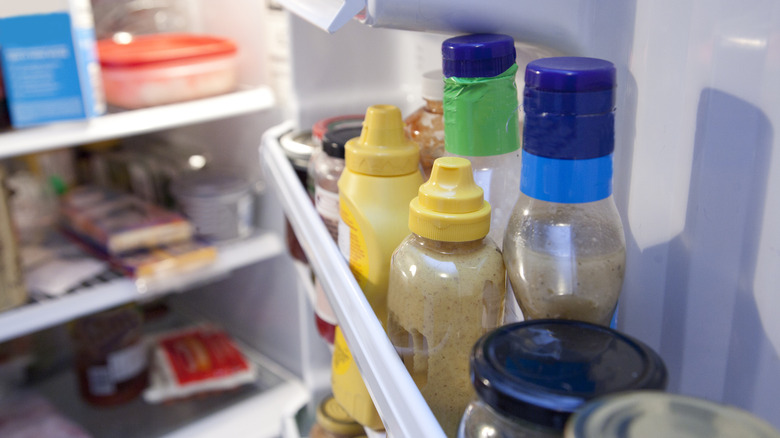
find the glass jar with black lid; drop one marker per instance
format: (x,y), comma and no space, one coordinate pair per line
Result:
(531,376)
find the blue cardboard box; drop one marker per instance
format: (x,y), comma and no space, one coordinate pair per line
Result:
(49,61)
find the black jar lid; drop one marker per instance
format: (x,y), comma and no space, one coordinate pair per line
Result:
(334,140)
(541,371)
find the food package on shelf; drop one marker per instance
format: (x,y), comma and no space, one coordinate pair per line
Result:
(119,223)
(196,360)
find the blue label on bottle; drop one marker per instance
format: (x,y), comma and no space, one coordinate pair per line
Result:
(566,181)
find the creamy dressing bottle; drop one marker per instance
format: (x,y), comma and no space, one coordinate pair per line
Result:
(447,288)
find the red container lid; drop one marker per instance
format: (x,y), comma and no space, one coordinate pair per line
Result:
(158,48)
(321,127)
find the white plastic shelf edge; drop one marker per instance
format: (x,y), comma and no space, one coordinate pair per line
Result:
(133,122)
(399,402)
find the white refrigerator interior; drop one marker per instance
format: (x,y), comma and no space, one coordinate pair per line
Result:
(697,183)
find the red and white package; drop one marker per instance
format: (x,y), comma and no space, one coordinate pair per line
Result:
(195,360)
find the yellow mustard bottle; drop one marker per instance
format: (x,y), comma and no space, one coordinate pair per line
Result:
(381,177)
(348,387)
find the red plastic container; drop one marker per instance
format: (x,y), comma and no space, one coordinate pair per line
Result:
(157,69)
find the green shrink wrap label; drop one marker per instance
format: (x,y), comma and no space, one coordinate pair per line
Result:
(480,115)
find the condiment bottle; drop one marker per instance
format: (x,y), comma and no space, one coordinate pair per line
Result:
(564,247)
(324,171)
(426,124)
(348,387)
(650,414)
(447,288)
(381,176)
(326,168)
(531,376)
(318,131)
(332,421)
(481,117)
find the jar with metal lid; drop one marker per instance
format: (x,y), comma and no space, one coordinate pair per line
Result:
(531,376)
(298,146)
(318,132)
(334,422)
(650,414)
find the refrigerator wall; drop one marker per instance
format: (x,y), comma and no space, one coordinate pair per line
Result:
(697,176)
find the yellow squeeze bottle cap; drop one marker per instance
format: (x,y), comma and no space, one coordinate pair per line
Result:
(382,148)
(450,207)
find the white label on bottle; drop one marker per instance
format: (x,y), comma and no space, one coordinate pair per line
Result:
(127,363)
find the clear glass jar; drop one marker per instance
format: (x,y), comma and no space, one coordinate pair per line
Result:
(531,376)
(326,168)
(426,124)
(318,132)
(564,245)
(650,414)
(447,288)
(486,422)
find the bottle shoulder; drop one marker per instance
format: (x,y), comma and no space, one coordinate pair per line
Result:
(424,253)
(593,227)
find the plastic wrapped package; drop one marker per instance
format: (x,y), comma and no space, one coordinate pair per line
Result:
(196,360)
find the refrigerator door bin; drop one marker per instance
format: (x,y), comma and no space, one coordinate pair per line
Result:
(399,402)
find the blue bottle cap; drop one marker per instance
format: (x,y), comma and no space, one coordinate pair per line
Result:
(541,371)
(477,56)
(569,105)
(570,74)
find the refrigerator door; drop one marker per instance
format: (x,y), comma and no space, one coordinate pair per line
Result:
(697,178)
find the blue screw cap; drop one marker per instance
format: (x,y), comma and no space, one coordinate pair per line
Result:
(478,55)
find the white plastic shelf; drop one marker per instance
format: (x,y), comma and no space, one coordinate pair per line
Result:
(133,122)
(43,314)
(400,404)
